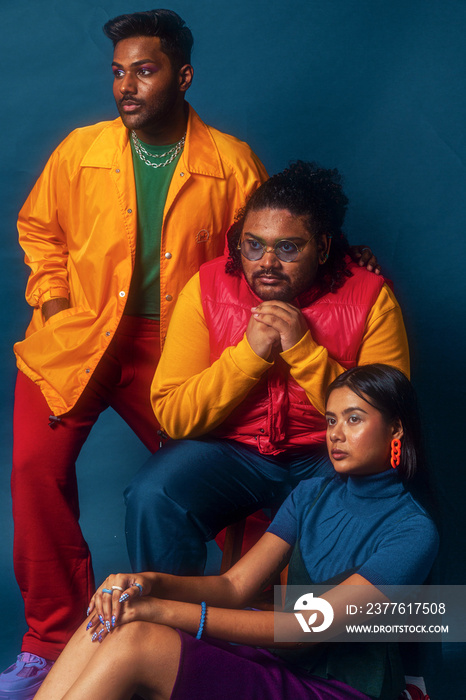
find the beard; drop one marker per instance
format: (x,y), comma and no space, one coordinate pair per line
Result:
(286,291)
(155,114)
(282,293)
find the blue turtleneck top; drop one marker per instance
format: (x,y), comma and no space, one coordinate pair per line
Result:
(368,525)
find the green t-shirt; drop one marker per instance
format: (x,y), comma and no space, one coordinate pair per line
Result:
(151,189)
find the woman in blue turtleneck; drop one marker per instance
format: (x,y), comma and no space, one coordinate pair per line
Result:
(361,527)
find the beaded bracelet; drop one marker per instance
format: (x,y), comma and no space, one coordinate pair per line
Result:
(202,620)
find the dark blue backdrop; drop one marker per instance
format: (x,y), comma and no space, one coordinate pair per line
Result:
(375,88)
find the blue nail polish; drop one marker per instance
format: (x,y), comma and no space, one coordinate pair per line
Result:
(101,619)
(89,625)
(88,610)
(94,636)
(124,597)
(100,638)
(113,620)
(107,625)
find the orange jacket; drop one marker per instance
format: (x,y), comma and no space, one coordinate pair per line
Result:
(78,229)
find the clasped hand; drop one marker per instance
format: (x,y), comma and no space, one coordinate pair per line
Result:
(275,324)
(120,599)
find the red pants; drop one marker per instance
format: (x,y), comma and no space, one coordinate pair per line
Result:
(51,558)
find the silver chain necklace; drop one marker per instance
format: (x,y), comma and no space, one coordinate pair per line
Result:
(145,155)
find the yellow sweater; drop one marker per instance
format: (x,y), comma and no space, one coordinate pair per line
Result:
(191,397)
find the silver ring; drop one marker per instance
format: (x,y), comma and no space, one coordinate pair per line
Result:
(139,586)
(117,588)
(107,590)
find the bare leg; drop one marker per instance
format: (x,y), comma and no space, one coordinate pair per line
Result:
(139,657)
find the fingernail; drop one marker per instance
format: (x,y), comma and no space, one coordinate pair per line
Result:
(101,619)
(94,636)
(89,625)
(107,625)
(100,638)
(124,597)
(113,620)
(88,610)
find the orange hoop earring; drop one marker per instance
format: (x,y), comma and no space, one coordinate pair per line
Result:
(395,453)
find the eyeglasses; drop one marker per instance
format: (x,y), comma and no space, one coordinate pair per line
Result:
(285,250)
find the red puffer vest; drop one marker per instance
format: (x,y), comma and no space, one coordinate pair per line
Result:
(277,414)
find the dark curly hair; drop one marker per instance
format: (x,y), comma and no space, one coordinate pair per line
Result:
(304,189)
(175,37)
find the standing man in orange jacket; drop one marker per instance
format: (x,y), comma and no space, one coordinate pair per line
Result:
(123,215)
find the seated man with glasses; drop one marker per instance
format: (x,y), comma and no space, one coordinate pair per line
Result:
(256,338)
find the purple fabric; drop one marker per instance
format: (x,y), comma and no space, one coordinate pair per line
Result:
(211,669)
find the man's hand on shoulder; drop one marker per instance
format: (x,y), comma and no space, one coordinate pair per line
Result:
(53,306)
(284,319)
(364,256)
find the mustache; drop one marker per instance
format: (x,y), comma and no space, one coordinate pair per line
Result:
(271,274)
(129,99)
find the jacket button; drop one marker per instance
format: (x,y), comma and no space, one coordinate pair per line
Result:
(130,211)
(122,294)
(107,333)
(87,370)
(168,255)
(168,297)
(117,170)
(261,430)
(181,174)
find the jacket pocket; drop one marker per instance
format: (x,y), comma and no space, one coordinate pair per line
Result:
(66,313)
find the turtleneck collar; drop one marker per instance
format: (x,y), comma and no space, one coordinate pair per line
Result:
(385,484)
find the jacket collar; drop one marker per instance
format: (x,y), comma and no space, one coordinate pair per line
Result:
(200,154)
(108,147)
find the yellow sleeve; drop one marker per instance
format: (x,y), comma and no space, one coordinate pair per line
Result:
(384,341)
(43,240)
(190,396)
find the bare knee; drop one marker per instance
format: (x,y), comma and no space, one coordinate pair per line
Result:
(136,645)
(145,640)
(149,652)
